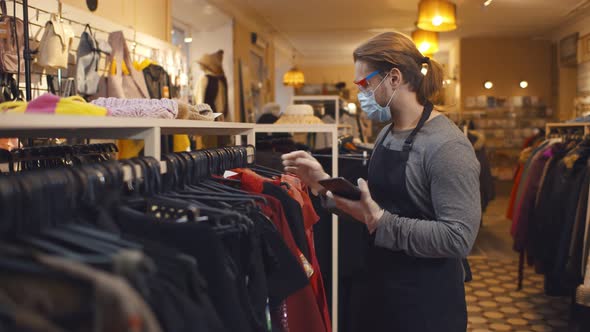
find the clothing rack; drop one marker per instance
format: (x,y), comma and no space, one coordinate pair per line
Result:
(320,128)
(552,127)
(150,130)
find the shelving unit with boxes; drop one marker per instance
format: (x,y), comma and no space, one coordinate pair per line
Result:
(506,130)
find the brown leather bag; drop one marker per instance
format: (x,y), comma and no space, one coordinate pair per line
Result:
(120,85)
(12,42)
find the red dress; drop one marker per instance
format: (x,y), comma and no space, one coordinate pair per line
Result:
(303,308)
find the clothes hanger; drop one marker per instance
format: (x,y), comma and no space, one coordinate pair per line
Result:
(202,190)
(206,197)
(213,214)
(63,238)
(155,203)
(213,185)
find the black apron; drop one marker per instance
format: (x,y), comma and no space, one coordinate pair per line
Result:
(408,294)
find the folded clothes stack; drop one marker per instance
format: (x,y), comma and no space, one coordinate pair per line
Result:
(139,108)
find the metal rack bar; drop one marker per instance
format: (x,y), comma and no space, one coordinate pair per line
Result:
(557,125)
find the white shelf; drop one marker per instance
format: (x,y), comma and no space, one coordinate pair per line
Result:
(149,130)
(295,128)
(316,97)
(21,123)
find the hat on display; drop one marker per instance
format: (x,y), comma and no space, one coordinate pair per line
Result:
(299,114)
(213,62)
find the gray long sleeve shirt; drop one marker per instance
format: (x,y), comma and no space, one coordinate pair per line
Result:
(442,177)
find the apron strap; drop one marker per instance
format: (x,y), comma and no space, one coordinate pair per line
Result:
(382,139)
(425,115)
(410,139)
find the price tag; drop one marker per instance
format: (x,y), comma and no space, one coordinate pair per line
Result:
(229,174)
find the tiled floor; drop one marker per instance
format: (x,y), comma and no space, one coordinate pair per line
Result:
(493,303)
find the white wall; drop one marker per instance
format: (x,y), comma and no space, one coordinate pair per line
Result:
(208,42)
(283,62)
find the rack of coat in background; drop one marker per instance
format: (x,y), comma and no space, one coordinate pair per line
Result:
(550,208)
(140,50)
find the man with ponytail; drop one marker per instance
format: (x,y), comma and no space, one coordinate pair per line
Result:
(421,202)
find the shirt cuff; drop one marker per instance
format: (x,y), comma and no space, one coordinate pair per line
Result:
(385,226)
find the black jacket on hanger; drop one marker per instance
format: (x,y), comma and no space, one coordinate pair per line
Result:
(156,79)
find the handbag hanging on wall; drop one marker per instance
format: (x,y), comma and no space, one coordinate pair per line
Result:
(55,43)
(87,59)
(12,42)
(124,81)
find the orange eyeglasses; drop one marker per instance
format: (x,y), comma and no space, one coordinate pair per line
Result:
(363,84)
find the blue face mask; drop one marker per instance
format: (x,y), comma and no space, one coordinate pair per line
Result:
(372,108)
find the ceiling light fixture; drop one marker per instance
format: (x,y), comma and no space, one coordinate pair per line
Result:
(524,84)
(426,41)
(188,37)
(487,3)
(488,85)
(437,15)
(294,77)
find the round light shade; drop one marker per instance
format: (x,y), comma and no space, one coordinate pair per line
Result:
(488,84)
(437,15)
(426,41)
(524,84)
(294,77)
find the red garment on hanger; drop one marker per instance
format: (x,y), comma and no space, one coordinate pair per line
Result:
(301,194)
(514,191)
(303,311)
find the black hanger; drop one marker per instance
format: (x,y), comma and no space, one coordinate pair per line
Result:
(170,179)
(52,238)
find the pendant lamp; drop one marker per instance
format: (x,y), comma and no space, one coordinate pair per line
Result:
(437,15)
(426,41)
(294,77)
